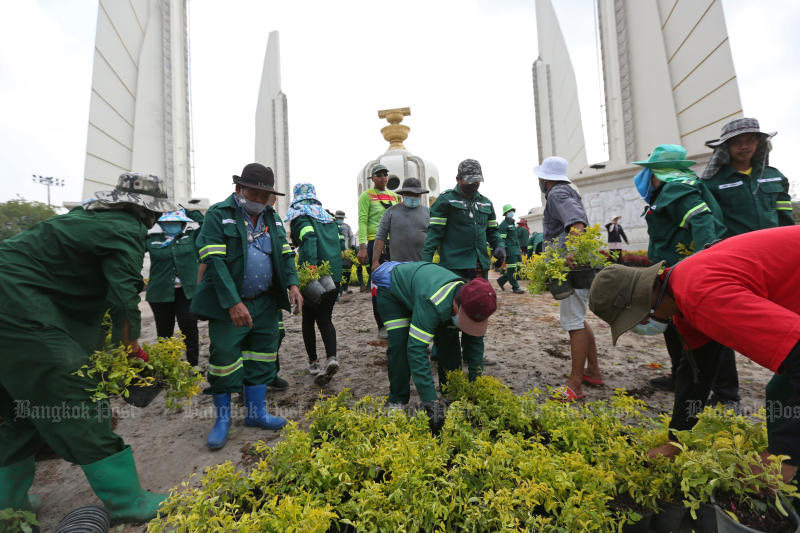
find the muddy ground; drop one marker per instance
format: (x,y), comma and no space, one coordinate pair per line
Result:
(524,337)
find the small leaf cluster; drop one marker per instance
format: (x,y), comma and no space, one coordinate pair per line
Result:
(306,273)
(18,521)
(541,269)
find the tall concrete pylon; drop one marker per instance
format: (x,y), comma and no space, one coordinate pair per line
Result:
(272,123)
(139,116)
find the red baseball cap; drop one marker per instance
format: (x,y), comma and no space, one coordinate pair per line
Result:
(478,302)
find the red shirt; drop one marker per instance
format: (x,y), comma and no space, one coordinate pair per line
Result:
(743,293)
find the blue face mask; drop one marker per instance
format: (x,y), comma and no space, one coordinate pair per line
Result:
(644,184)
(454,319)
(652,327)
(171,228)
(411,201)
(510,215)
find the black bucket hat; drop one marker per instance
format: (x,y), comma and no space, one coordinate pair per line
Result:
(257,176)
(413,186)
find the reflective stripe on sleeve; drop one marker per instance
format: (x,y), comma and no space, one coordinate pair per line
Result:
(280,324)
(438,221)
(783,205)
(260,356)
(492,223)
(286,249)
(420,334)
(213,249)
(397,323)
(221,371)
(440,295)
(699,208)
(305,231)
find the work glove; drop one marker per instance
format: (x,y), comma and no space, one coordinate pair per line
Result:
(436,414)
(499,253)
(140,354)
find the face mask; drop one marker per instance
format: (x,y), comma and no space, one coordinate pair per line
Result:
(652,327)
(252,208)
(469,189)
(510,215)
(454,320)
(411,201)
(644,184)
(171,228)
(543,186)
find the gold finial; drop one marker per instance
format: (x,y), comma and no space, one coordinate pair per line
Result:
(395,132)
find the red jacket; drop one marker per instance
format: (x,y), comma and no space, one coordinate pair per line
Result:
(744,293)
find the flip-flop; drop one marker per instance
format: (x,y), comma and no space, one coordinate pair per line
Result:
(565,394)
(593,381)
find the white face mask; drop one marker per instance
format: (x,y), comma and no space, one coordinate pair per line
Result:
(652,327)
(510,215)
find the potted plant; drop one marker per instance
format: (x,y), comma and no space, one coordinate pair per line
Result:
(584,255)
(547,271)
(310,286)
(325,277)
(138,382)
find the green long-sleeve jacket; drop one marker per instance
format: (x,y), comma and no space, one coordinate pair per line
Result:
(177,259)
(318,242)
(682,218)
(509,238)
(535,242)
(459,228)
(751,202)
(426,291)
(222,245)
(65,272)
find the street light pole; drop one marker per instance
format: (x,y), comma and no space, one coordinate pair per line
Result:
(48,181)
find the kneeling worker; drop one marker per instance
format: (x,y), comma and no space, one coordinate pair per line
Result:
(745,292)
(418,302)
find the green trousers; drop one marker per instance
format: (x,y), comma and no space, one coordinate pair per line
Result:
(510,274)
(244,356)
(42,402)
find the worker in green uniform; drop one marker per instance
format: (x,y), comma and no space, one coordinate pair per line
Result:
(250,266)
(753,196)
(523,234)
(173,277)
(462,222)
(420,303)
(509,240)
(57,280)
(535,243)
(371,205)
(316,235)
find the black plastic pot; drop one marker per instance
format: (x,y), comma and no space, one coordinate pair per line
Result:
(642,526)
(706,521)
(671,518)
(726,524)
(142,396)
(560,289)
(581,278)
(328,284)
(313,293)
(86,519)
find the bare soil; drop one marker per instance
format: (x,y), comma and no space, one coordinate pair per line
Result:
(525,338)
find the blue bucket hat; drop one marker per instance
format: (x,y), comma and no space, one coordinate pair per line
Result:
(175,216)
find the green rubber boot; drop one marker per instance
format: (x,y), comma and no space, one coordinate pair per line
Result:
(116,483)
(15,480)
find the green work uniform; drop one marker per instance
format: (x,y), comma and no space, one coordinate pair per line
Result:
(417,310)
(681,219)
(535,243)
(459,228)
(522,238)
(240,355)
(56,282)
(318,242)
(178,259)
(751,202)
(509,239)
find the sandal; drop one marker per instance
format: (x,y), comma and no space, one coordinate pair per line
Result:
(566,394)
(593,381)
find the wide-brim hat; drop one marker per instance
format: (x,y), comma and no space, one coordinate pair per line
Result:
(478,302)
(553,169)
(622,296)
(413,186)
(339,213)
(507,208)
(175,216)
(145,190)
(257,176)
(667,156)
(738,127)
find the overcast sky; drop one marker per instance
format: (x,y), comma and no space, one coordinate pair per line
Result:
(463,66)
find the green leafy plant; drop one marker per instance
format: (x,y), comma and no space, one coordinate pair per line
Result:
(17,521)
(584,248)
(541,269)
(307,273)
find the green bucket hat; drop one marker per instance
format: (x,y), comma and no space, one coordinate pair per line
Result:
(667,156)
(507,208)
(622,296)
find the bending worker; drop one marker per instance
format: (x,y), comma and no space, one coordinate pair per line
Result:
(57,280)
(745,292)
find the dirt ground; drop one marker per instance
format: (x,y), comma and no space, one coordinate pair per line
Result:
(524,338)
